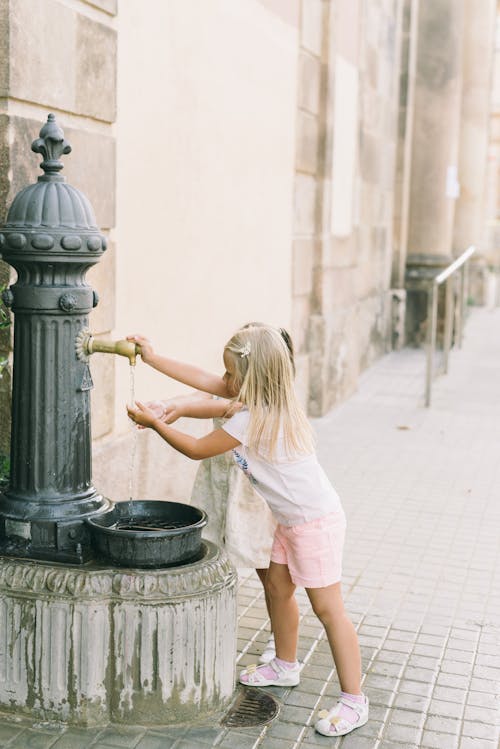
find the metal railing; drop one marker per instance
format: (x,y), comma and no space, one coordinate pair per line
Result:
(454,316)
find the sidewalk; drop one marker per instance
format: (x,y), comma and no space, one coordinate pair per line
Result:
(421,489)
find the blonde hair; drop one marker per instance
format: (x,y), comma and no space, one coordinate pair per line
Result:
(264,371)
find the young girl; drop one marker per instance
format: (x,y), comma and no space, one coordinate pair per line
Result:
(238,518)
(272,443)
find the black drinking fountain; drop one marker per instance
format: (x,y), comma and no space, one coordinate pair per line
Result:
(108,612)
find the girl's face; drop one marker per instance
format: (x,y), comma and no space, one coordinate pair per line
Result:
(229,376)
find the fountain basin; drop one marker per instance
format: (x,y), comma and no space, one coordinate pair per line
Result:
(149,534)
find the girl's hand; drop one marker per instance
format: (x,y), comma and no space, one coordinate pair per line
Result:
(157,408)
(142,415)
(172,411)
(167,411)
(233,407)
(146,351)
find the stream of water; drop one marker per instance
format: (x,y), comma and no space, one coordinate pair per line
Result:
(134,441)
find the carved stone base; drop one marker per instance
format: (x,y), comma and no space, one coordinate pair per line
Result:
(90,645)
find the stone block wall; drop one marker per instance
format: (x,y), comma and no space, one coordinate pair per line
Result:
(307,166)
(344,197)
(62,59)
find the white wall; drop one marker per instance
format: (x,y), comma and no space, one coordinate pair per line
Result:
(206,148)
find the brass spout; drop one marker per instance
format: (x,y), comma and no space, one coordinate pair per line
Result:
(86,345)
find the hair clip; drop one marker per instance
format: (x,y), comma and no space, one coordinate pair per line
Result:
(245,350)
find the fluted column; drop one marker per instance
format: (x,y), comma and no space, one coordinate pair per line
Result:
(50,431)
(469,228)
(436,127)
(434,181)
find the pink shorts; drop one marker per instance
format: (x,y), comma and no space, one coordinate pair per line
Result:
(312,551)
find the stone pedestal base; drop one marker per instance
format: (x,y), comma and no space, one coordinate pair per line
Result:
(89,645)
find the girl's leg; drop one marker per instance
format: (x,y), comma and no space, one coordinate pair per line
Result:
(351,711)
(283,670)
(328,606)
(269,651)
(284,611)
(262,574)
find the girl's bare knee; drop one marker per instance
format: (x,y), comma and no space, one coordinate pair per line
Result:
(329,615)
(279,590)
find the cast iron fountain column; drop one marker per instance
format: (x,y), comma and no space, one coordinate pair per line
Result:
(51,239)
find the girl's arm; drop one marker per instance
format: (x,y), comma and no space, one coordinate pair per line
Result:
(215,443)
(194,406)
(185,373)
(198,408)
(171,409)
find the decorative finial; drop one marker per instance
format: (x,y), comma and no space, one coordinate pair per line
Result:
(51,145)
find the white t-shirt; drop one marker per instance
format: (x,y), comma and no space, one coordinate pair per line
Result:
(296,489)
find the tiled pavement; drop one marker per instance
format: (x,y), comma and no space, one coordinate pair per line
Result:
(421,489)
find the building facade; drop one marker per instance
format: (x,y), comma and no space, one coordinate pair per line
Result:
(273,160)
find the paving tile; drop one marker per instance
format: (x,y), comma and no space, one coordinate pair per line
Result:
(450,694)
(380,681)
(438,724)
(435,740)
(482,699)
(234,740)
(411,702)
(478,730)
(297,715)
(273,742)
(386,669)
(373,729)
(33,739)
(402,734)
(407,686)
(310,738)
(8,731)
(484,714)
(485,686)
(355,741)
(312,686)
(446,709)
(406,718)
(281,730)
(469,743)
(120,736)
(77,738)
(301,699)
(155,741)
(382,697)
(453,680)
(388,656)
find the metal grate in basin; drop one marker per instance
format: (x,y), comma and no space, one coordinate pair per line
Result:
(251,708)
(143,524)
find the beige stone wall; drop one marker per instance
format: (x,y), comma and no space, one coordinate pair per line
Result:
(206,148)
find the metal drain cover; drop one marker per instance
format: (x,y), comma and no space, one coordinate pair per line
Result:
(251,708)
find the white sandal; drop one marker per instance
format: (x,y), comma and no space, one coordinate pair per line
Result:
(285,677)
(269,651)
(329,719)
